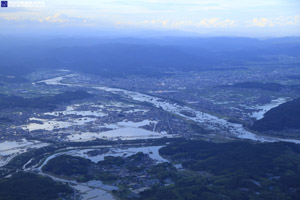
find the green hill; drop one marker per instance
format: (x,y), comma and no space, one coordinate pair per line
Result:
(285,116)
(27,186)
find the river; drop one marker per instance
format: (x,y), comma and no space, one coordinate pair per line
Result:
(210,122)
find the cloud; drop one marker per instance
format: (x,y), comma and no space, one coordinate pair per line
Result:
(157,22)
(166,23)
(275,21)
(57,18)
(62,18)
(216,22)
(262,22)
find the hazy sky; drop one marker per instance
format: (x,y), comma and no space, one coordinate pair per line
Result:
(214,17)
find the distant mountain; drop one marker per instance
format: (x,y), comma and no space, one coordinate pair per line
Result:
(285,116)
(149,56)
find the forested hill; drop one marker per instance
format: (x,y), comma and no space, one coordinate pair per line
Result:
(285,116)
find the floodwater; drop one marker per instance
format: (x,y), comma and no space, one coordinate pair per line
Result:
(265,108)
(96,189)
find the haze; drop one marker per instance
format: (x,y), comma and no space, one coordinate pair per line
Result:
(144,18)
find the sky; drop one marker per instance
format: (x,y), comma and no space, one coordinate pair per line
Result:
(252,18)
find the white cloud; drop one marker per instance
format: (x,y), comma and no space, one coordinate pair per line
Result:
(181,24)
(262,22)
(216,22)
(62,18)
(275,21)
(57,18)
